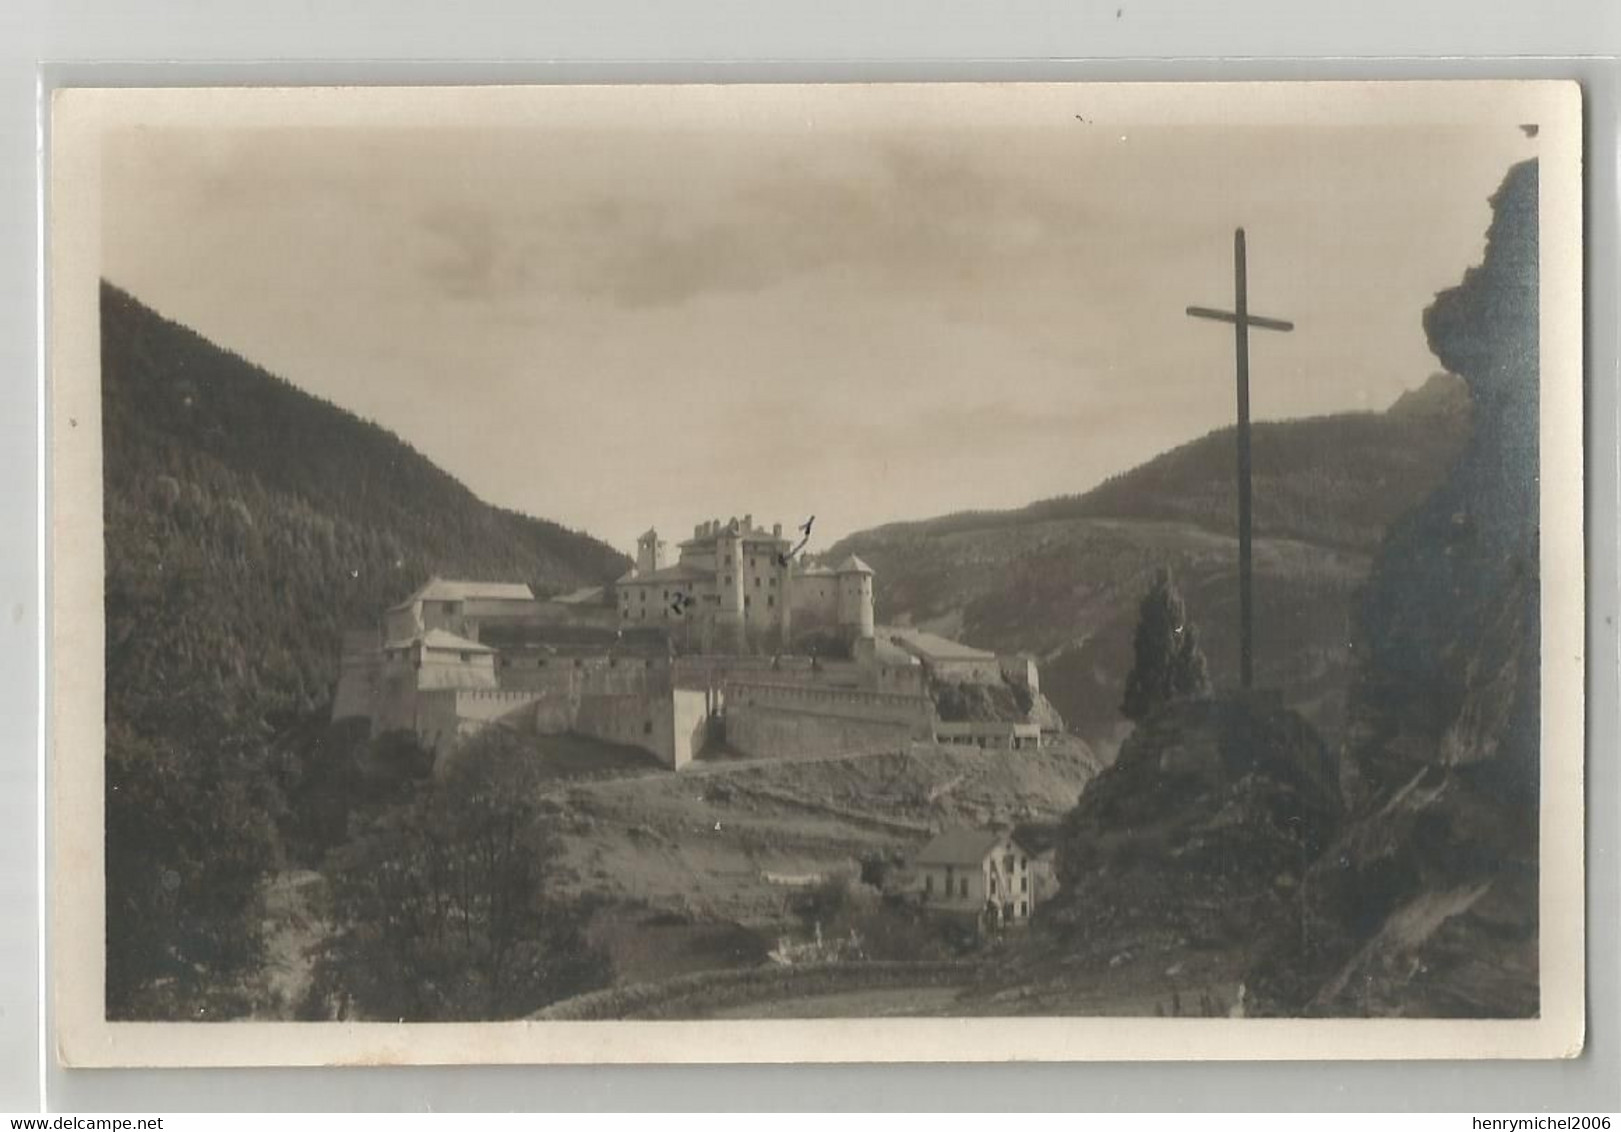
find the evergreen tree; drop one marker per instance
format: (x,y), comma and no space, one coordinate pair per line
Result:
(1169,664)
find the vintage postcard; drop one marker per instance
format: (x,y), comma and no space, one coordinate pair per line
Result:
(816,573)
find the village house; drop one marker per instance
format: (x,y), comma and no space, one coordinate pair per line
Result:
(457,607)
(985,874)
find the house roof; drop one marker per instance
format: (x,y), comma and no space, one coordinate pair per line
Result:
(580,597)
(932,647)
(891,656)
(438,639)
(450,642)
(852,565)
(960,846)
(445,589)
(680,572)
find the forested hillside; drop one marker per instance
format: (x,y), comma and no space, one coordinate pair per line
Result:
(247,525)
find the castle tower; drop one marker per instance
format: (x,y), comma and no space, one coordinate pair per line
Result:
(729,583)
(649,552)
(855,598)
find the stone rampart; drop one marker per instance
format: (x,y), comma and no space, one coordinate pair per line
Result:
(796,721)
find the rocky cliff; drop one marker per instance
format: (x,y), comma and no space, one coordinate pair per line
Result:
(1198,836)
(1429,898)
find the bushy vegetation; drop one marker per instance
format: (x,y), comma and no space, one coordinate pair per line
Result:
(446,907)
(960,702)
(247,525)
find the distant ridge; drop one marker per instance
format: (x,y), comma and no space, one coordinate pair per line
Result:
(1336,480)
(1061,577)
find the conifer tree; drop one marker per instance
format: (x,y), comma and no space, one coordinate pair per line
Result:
(1169,664)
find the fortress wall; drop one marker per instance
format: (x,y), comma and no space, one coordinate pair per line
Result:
(909,681)
(437,726)
(845,703)
(774,732)
(591,675)
(448,670)
(625,676)
(481,706)
(700,672)
(554,712)
(552,678)
(814,596)
(448,716)
(394,699)
(358,669)
(788,721)
(968,670)
(631,720)
(689,726)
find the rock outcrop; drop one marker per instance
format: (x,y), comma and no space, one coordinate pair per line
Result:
(1199,834)
(1429,897)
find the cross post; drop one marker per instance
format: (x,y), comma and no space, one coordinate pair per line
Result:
(1242,320)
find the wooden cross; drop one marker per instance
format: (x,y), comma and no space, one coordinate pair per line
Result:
(1242,320)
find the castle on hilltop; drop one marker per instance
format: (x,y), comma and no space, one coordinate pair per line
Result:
(735,585)
(735,644)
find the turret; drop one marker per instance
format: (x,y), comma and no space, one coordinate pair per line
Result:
(854,579)
(649,552)
(729,574)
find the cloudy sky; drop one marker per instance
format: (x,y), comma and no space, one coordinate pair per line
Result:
(657,322)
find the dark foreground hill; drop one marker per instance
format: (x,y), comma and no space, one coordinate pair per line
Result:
(247,525)
(1061,578)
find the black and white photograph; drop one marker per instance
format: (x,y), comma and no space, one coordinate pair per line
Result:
(1097,564)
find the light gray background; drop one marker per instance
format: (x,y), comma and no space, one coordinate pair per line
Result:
(119,42)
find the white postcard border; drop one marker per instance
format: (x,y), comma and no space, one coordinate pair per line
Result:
(82,1036)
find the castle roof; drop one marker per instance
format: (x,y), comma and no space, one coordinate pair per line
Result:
(439,639)
(852,565)
(450,642)
(928,646)
(443,589)
(890,655)
(744,531)
(680,572)
(960,847)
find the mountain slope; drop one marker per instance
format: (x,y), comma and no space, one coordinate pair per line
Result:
(1061,578)
(249,523)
